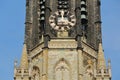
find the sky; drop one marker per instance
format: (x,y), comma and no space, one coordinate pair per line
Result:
(12,19)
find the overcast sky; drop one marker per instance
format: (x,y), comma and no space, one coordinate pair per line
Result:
(12,18)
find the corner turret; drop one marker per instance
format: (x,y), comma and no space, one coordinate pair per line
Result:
(21,72)
(102,72)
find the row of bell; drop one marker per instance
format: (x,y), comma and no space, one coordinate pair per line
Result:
(63,4)
(42,10)
(83,12)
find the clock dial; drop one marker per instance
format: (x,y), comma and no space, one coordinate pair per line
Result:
(62,21)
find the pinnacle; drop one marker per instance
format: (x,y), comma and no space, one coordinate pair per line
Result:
(101,59)
(24,58)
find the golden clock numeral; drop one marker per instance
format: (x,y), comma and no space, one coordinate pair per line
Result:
(56,27)
(73,20)
(53,24)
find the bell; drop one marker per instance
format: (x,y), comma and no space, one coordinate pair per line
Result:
(42,12)
(42,7)
(59,2)
(60,6)
(84,19)
(42,18)
(65,2)
(43,0)
(83,3)
(83,16)
(83,9)
(65,6)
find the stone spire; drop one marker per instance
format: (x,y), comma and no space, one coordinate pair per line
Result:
(24,58)
(101,59)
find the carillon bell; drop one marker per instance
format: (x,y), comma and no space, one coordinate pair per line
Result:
(83,12)
(42,18)
(83,3)
(84,19)
(42,10)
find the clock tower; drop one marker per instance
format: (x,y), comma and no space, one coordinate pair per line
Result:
(63,40)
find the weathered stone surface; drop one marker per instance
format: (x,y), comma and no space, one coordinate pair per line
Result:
(62,38)
(63,43)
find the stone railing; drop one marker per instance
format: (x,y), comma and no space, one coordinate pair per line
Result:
(103,72)
(88,49)
(21,71)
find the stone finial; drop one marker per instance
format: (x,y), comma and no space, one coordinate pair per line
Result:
(109,68)
(15,63)
(24,58)
(101,59)
(109,63)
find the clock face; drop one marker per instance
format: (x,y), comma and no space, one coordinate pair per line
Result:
(62,21)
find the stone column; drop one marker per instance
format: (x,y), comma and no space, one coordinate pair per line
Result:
(45,64)
(80,58)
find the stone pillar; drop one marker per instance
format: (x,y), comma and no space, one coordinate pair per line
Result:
(45,63)
(80,58)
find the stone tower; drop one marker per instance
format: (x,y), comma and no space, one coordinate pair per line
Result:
(62,41)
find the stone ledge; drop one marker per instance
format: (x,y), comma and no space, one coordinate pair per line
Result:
(65,43)
(89,50)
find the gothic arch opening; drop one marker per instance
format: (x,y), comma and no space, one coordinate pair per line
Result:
(62,70)
(88,72)
(35,73)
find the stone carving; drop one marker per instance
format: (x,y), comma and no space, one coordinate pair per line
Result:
(62,71)
(62,44)
(89,70)
(36,73)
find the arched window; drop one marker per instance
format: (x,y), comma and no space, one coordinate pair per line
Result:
(88,73)
(36,73)
(62,71)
